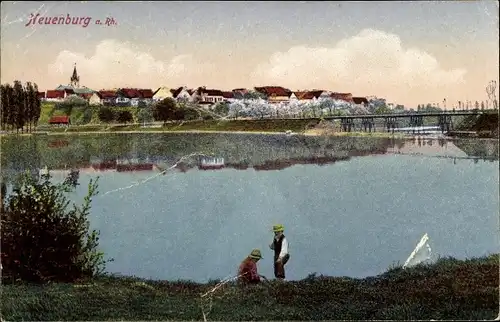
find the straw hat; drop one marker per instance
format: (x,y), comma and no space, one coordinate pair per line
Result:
(278,228)
(255,254)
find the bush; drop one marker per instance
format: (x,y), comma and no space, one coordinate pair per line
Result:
(124,117)
(106,114)
(71,102)
(145,115)
(166,110)
(45,240)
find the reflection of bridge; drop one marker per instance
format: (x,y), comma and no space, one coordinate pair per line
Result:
(454,158)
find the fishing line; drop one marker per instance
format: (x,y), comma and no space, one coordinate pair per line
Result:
(210,294)
(156,175)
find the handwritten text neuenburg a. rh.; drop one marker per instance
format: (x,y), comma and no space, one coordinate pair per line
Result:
(67,20)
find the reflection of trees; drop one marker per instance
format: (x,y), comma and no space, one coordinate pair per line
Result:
(19,154)
(479,148)
(239,151)
(248,149)
(3,193)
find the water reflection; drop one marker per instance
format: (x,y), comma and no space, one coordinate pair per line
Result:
(352,206)
(132,153)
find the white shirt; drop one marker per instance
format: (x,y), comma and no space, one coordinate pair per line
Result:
(284,248)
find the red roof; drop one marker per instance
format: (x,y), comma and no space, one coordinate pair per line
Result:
(212,92)
(360,100)
(342,96)
(85,95)
(130,92)
(308,95)
(55,94)
(274,91)
(106,94)
(62,119)
(227,94)
(146,93)
(41,94)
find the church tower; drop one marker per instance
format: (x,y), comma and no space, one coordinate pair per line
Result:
(75,79)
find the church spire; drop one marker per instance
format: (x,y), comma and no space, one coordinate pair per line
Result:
(75,79)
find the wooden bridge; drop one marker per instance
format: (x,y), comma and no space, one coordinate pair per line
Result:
(366,122)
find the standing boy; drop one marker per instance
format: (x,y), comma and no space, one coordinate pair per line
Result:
(280,247)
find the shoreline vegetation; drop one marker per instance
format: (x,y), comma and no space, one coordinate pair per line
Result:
(446,289)
(483,127)
(172,116)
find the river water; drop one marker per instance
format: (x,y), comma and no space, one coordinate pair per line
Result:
(350,206)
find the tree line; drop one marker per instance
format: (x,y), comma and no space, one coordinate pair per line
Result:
(20,106)
(467,105)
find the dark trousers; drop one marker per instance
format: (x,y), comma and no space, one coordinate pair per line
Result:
(279,268)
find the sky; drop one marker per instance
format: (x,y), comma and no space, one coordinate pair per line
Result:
(407,52)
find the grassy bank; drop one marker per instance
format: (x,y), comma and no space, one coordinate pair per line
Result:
(483,126)
(85,120)
(307,127)
(449,289)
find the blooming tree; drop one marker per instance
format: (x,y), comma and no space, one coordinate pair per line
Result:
(260,108)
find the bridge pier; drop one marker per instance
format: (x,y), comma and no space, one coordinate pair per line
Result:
(347,124)
(415,121)
(445,123)
(368,124)
(390,123)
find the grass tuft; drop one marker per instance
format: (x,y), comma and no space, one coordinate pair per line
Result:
(447,289)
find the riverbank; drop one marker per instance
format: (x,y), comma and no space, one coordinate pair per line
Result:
(483,126)
(474,126)
(448,289)
(309,127)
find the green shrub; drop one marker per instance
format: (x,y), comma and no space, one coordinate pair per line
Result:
(106,114)
(124,117)
(43,239)
(145,115)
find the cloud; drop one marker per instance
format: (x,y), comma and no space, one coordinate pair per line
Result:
(117,64)
(373,61)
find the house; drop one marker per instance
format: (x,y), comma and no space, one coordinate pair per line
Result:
(162,93)
(307,96)
(228,96)
(107,97)
(239,93)
(147,95)
(183,94)
(132,96)
(347,97)
(85,96)
(128,96)
(360,101)
(41,95)
(60,120)
(84,92)
(210,95)
(64,87)
(275,94)
(95,99)
(55,95)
